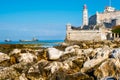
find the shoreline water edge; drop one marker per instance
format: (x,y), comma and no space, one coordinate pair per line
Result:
(75,60)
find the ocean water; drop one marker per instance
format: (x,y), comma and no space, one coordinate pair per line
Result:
(43,43)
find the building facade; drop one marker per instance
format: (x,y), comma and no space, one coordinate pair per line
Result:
(98,26)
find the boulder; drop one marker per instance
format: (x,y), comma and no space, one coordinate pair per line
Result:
(54,66)
(37,71)
(15,51)
(54,54)
(108,78)
(107,68)
(3,57)
(91,65)
(27,58)
(93,62)
(116,53)
(69,49)
(22,77)
(103,52)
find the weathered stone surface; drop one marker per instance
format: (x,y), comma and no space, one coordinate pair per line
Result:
(116,53)
(108,68)
(108,78)
(54,54)
(72,63)
(15,51)
(69,49)
(22,77)
(27,58)
(3,57)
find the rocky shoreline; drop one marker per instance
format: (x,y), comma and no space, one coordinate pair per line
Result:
(84,60)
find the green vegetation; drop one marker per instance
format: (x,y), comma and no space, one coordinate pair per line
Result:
(116,29)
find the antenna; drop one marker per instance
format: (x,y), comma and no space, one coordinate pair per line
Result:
(110,3)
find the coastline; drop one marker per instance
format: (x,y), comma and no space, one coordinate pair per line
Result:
(80,60)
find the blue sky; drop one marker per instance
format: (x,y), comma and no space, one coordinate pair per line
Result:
(44,19)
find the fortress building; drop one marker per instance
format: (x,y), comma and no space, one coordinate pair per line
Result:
(97,27)
(110,17)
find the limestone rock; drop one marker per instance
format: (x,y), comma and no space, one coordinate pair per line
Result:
(93,62)
(27,58)
(15,51)
(37,71)
(4,57)
(54,54)
(108,78)
(22,77)
(91,65)
(69,49)
(54,66)
(108,68)
(116,53)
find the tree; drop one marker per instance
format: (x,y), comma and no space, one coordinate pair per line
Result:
(116,29)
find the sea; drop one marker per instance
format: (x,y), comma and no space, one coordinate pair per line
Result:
(42,43)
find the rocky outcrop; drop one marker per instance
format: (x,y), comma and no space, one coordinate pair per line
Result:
(54,54)
(74,62)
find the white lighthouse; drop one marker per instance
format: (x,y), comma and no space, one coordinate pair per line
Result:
(85,16)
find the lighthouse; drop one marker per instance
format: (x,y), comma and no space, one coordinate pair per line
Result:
(85,16)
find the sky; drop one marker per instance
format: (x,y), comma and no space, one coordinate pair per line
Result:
(44,19)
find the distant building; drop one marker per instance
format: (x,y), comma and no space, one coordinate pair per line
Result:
(85,16)
(98,27)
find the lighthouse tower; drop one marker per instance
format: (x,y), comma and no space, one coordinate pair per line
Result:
(85,16)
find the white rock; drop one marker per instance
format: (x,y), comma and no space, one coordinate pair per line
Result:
(78,51)
(22,77)
(93,62)
(87,51)
(69,49)
(102,52)
(27,57)
(3,57)
(76,46)
(54,66)
(64,44)
(37,67)
(15,51)
(54,53)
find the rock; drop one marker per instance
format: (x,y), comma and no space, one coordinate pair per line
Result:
(64,75)
(4,57)
(116,53)
(64,44)
(102,52)
(78,76)
(76,46)
(22,77)
(108,78)
(108,68)
(15,51)
(84,46)
(114,45)
(69,49)
(37,71)
(54,54)
(78,52)
(93,62)
(54,66)
(14,71)
(27,58)
(91,65)
(87,51)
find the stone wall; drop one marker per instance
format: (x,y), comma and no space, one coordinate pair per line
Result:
(108,15)
(82,35)
(103,17)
